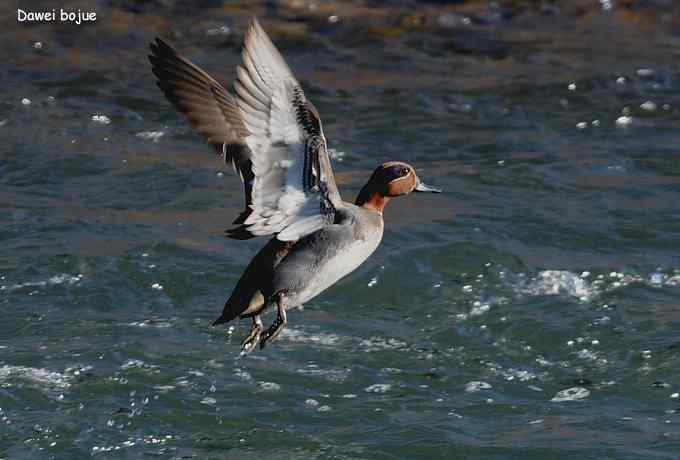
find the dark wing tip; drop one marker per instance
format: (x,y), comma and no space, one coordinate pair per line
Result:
(239,233)
(160,51)
(158,46)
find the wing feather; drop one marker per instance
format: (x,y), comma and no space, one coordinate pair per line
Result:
(267,129)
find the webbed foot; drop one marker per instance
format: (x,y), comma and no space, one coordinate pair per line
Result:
(250,342)
(279,324)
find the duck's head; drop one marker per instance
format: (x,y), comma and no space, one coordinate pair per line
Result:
(390,180)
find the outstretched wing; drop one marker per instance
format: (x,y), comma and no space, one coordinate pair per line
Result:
(294,191)
(268,129)
(211,110)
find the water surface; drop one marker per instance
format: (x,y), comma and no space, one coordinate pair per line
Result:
(532,310)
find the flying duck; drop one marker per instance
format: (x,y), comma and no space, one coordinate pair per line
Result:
(272,135)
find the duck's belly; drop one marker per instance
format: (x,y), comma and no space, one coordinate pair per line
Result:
(335,268)
(310,269)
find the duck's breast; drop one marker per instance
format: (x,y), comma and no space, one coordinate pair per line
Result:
(322,259)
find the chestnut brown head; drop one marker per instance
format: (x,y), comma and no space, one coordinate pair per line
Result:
(390,180)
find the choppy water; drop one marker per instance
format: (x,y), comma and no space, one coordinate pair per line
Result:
(533,310)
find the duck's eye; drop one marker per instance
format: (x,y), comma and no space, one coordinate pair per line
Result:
(404,171)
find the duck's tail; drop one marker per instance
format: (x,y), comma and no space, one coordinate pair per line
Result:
(233,309)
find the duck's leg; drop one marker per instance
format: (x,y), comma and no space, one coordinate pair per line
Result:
(278,325)
(250,342)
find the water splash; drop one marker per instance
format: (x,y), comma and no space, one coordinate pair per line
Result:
(571,394)
(49,382)
(61,279)
(378,388)
(153,136)
(557,282)
(475,386)
(101,119)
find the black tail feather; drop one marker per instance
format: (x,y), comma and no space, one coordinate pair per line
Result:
(221,320)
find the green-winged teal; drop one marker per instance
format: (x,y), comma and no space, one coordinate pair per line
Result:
(273,137)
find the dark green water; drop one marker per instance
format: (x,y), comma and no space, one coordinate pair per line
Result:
(531,311)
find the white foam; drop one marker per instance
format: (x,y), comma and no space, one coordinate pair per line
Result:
(77,370)
(673,281)
(479,308)
(243,375)
(164,388)
(101,119)
(268,386)
(584,286)
(133,441)
(222,30)
(475,386)
(510,373)
(649,106)
(391,370)
(139,364)
(556,282)
(334,375)
(606,4)
(153,136)
(160,323)
(378,388)
(63,278)
(47,381)
(296,335)
(657,279)
(584,353)
(571,394)
(381,343)
(624,121)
